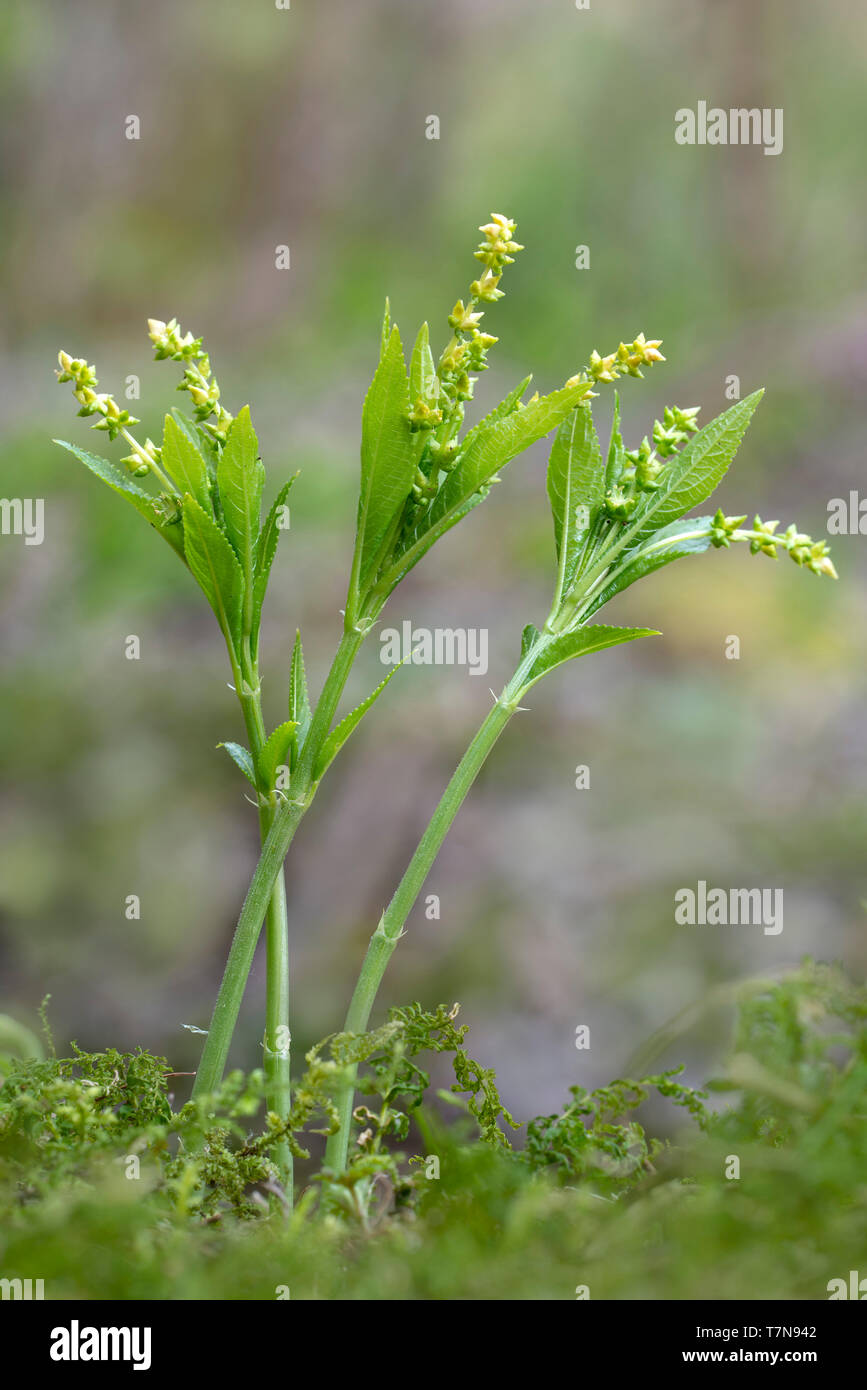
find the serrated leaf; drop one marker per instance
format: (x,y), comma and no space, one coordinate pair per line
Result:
(616,461)
(240,479)
(266,549)
(388,450)
(575,480)
(427,536)
(299,700)
(243,759)
(276,751)
(581,643)
(199,438)
(692,475)
(121,483)
(487,451)
(666,545)
(338,736)
(505,407)
(484,451)
(185,464)
(423,384)
(386,327)
(215,566)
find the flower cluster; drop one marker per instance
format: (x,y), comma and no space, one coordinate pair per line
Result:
(170,342)
(115,420)
(646,464)
(628,359)
(813,555)
(466,351)
(676,427)
(463,358)
(494,252)
(92,402)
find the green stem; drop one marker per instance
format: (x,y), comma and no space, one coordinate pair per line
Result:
(286,820)
(240,960)
(586,592)
(276,1044)
(390,928)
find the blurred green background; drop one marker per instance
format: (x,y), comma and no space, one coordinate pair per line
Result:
(306,127)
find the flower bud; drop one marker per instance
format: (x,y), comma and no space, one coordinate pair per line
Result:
(723,528)
(602,368)
(462,320)
(764,547)
(486,288)
(618,504)
(577,380)
(423,417)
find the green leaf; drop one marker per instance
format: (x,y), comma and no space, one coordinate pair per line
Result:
(386,328)
(240,478)
(616,450)
(485,452)
(276,752)
(242,757)
(423,384)
(580,643)
(338,736)
(121,483)
(387,457)
(185,465)
(423,539)
(199,438)
(692,475)
(530,635)
(666,545)
(575,480)
(266,549)
(299,700)
(506,406)
(215,567)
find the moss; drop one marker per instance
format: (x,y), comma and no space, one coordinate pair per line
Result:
(588,1198)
